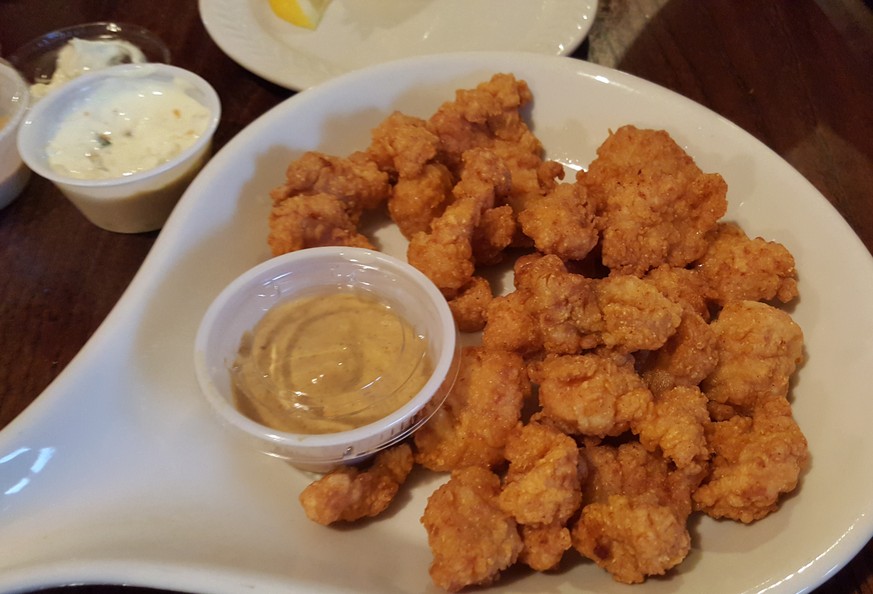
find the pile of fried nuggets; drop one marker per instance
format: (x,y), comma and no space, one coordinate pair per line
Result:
(637,374)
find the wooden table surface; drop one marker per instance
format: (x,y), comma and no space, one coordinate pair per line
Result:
(797,74)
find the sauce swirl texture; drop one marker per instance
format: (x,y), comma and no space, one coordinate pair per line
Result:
(328,363)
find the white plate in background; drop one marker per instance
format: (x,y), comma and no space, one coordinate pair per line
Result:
(118,474)
(358,33)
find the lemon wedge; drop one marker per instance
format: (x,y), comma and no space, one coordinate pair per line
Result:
(303,13)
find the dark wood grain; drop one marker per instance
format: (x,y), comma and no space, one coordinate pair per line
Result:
(797,75)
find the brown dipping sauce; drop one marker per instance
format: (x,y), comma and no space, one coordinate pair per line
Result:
(328,363)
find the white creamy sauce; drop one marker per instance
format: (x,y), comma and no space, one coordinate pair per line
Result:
(79,56)
(124,126)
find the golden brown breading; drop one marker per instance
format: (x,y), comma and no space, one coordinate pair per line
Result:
(566,313)
(563,304)
(592,394)
(544,545)
(685,286)
(416,201)
(617,279)
(494,233)
(349,494)
(657,204)
(757,460)
(403,147)
(445,254)
(629,469)
(321,201)
(509,326)
(636,316)
(550,309)
(542,484)
(675,425)
(562,222)
(635,509)
(469,307)
(471,539)
(356,181)
(313,220)
(480,412)
(759,347)
(689,356)
(489,116)
(542,490)
(739,268)
(631,538)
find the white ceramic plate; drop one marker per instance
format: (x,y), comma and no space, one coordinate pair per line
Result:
(358,33)
(118,474)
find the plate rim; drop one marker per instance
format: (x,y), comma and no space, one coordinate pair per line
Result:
(235,38)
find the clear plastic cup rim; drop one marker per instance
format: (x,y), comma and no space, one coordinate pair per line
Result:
(212,368)
(46,114)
